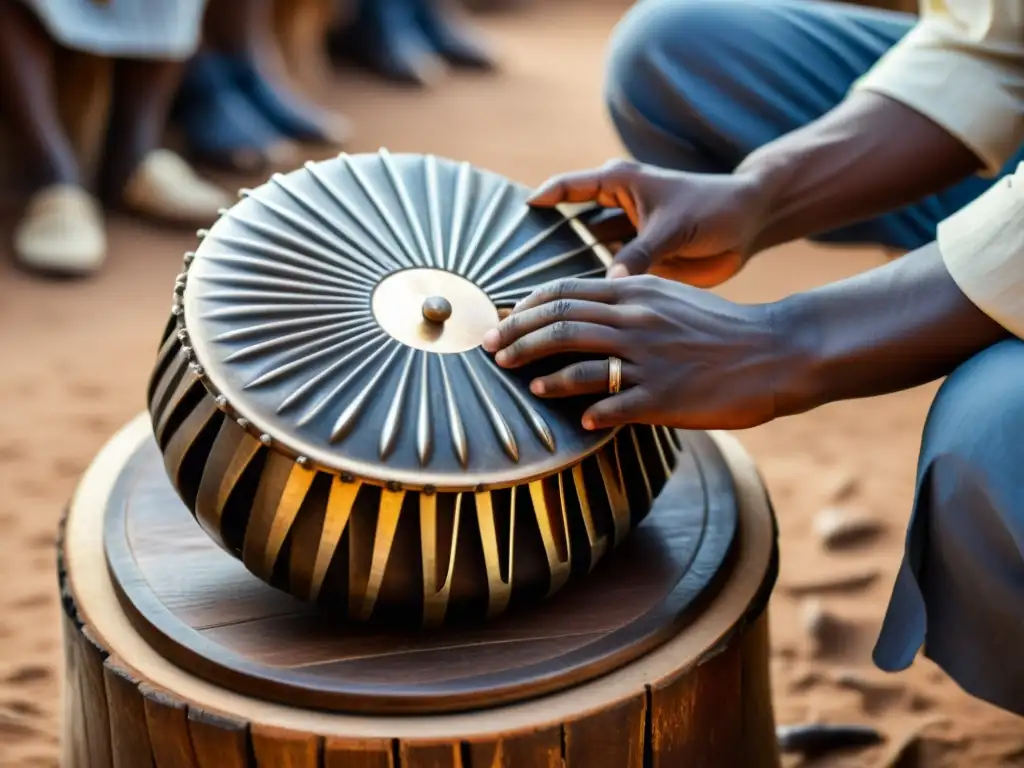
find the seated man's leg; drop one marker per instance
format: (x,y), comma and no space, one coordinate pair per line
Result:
(960,590)
(699,84)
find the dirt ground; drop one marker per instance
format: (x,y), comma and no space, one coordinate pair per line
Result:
(75,358)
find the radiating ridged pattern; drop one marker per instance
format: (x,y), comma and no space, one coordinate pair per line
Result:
(280,311)
(342,465)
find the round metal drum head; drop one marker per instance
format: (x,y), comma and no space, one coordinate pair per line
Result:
(337,313)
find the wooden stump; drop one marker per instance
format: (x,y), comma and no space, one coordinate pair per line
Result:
(652,687)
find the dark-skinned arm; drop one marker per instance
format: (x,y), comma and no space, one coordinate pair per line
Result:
(867,156)
(885,330)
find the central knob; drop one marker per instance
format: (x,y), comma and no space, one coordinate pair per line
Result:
(437,309)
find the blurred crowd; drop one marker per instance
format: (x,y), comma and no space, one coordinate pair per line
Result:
(90,88)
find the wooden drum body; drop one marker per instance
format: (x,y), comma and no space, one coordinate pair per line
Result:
(176,656)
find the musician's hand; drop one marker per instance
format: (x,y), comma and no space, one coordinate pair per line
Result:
(693,228)
(690,359)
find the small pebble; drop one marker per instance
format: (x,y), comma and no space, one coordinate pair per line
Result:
(826,631)
(816,739)
(838,527)
(843,485)
(834,583)
(813,617)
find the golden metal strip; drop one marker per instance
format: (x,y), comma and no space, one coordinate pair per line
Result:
(614,487)
(168,381)
(383,541)
(232,451)
(661,453)
(164,357)
(598,544)
(435,596)
(274,511)
(340,503)
(499,591)
(640,463)
(556,543)
(185,436)
(188,380)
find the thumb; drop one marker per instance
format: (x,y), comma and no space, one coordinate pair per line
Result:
(638,255)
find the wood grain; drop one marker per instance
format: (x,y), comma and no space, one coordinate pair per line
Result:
(167,722)
(85,699)
(129,731)
(217,740)
(612,735)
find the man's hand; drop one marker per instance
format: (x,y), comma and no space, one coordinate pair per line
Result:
(690,359)
(693,228)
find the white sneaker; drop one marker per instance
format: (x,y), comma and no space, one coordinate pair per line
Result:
(166,187)
(62,231)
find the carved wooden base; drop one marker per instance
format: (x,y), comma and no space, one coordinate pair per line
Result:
(701,698)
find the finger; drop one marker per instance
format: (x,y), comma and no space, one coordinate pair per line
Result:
(600,185)
(589,378)
(581,187)
(628,407)
(582,289)
(559,338)
(516,326)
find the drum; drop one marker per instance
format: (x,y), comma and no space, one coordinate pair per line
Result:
(177,656)
(343,535)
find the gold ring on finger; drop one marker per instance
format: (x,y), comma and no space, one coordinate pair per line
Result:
(614,375)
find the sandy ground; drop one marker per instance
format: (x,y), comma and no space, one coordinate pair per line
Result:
(75,358)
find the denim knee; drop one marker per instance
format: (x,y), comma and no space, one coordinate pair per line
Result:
(657,46)
(978,414)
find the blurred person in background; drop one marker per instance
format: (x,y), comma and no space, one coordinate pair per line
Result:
(235,107)
(408,41)
(62,229)
(755,123)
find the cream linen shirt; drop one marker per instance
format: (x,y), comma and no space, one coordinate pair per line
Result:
(962,66)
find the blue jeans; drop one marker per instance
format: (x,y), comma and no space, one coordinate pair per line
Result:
(699,84)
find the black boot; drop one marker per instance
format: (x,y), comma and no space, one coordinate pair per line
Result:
(387,39)
(295,119)
(453,40)
(220,126)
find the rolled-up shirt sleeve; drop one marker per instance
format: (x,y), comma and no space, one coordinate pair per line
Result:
(982,246)
(962,66)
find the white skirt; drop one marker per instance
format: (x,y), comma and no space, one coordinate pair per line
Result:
(148,29)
